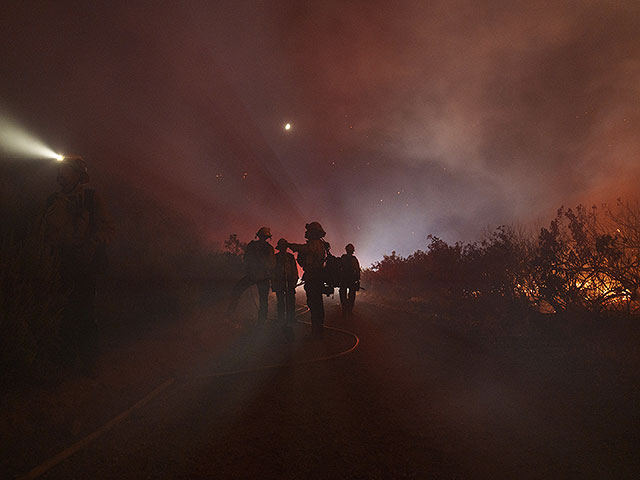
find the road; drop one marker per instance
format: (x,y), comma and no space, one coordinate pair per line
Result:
(412,401)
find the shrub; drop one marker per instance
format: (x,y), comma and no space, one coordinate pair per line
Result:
(586,260)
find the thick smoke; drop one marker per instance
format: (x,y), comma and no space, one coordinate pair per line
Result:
(410,118)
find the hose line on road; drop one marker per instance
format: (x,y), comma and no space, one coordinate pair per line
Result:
(304,311)
(80,444)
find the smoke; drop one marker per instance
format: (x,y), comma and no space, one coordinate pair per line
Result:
(478,113)
(481,114)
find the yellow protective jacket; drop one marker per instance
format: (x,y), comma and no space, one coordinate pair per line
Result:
(311,257)
(77,224)
(259,260)
(285,274)
(349,269)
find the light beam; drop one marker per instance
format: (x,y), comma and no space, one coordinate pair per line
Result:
(17,141)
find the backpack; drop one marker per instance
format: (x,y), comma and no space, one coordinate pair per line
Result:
(331,269)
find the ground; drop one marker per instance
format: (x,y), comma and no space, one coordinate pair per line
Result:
(415,399)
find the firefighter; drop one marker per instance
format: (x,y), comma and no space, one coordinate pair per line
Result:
(311,257)
(349,280)
(283,283)
(77,227)
(259,261)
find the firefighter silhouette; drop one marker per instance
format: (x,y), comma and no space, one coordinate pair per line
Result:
(349,280)
(311,257)
(283,283)
(259,261)
(77,227)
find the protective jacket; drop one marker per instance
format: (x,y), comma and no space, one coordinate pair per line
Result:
(285,273)
(349,269)
(311,257)
(259,260)
(78,225)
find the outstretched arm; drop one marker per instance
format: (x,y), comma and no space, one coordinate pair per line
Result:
(298,247)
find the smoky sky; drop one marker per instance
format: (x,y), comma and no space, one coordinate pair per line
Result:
(408,118)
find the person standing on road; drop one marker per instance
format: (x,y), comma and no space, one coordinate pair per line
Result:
(349,280)
(259,261)
(311,257)
(77,227)
(283,283)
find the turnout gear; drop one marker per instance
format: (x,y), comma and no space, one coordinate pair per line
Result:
(331,272)
(259,261)
(77,227)
(285,271)
(311,257)
(77,223)
(349,269)
(283,283)
(349,280)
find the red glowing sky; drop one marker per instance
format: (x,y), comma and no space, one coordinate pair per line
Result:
(409,118)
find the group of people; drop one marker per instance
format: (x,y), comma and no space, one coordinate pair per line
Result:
(278,272)
(76,227)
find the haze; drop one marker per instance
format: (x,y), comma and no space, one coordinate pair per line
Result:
(408,118)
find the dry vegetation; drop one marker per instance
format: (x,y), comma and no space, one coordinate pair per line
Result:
(585,261)
(573,287)
(582,270)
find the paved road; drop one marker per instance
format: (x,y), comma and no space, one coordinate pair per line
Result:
(411,402)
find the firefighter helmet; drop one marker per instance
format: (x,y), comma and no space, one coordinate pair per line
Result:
(314,230)
(264,232)
(77,163)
